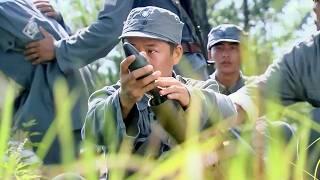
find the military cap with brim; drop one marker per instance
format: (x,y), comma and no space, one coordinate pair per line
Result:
(224,33)
(153,22)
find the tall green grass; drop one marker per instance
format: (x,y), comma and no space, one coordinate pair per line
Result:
(271,158)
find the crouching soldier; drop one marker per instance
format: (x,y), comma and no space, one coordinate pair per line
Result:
(125,106)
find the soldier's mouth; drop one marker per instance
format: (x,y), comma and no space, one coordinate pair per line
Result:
(226,63)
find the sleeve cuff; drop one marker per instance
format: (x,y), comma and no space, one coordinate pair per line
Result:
(57,45)
(226,106)
(246,104)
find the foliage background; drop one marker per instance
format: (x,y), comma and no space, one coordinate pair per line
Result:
(272,25)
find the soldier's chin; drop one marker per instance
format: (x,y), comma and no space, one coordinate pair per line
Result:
(228,70)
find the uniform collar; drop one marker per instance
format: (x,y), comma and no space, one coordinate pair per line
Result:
(232,89)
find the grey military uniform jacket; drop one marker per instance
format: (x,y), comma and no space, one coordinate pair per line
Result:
(227,91)
(105,111)
(293,78)
(19,25)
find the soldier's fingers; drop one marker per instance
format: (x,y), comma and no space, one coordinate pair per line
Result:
(41,4)
(125,64)
(184,100)
(171,89)
(149,79)
(34,44)
(175,96)
(30,51)
(166,81)
(32,57)
(44,7)
(141,72)
(51,14)
(149,87)
(37,61)
(45,10)
(178,93)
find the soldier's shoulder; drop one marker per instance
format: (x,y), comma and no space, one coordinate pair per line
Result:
(249,79)
(202,84)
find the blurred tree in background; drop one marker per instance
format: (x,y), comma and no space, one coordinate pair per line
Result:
(272,25)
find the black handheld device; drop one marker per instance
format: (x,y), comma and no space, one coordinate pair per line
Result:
(140,62)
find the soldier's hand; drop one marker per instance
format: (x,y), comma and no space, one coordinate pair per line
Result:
(41,51)
(174,90)
(133,87)
(47,9)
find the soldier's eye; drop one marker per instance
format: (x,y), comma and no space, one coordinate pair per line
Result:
(151,51)
(234,47)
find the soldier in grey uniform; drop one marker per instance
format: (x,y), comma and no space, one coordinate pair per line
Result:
(224,50)
(291,79)
(20,24)
(192,40)
(75,49)
(125,104)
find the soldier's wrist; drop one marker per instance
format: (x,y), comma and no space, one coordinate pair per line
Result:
(126,105)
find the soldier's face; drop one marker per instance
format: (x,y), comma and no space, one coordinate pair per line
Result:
(159,53)
(316,9)
(227,57)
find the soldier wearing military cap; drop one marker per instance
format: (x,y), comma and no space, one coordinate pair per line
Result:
(128,99)
(224,50)
(194,57)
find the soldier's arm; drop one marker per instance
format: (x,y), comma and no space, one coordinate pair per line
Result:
(46,8)
(116,106)
(104,122)
(287,80)
(91,43)
(214,106)
(97,40)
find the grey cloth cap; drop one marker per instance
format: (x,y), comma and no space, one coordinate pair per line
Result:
(153,22)
(224,33)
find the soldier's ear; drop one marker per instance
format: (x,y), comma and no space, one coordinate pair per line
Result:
(177,54)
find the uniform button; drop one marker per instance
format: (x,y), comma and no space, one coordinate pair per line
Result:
(10,43)
(145,22)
